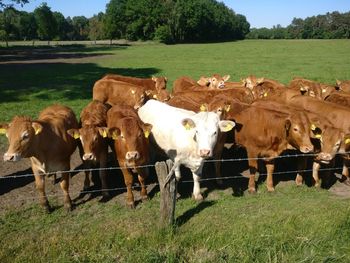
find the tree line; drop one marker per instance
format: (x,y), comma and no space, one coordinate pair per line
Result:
(333,25)
(169,21)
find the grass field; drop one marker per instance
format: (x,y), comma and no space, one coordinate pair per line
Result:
(291,225)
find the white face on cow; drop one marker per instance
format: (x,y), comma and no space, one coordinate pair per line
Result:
(206,126)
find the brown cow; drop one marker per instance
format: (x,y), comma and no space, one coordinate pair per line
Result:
(339,98)
(266,134)
(311,88)
(154,85)
(261,87)
(118,92)
(46,142)
(93,136)
(184,84)
(336,114)
(343,85)
(131,145)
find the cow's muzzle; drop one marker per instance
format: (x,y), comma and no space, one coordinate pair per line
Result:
(324,157)
(12,157)
(89,157)
(132,155)
(306,149)
(204,153)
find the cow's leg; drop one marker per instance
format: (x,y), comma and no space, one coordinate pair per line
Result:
(345,172)
(315,169)
(128,179)
(40,186)
(103,174)
(86,165)
(65,187)
(301,166)
(270,167)
(253,165)
(217,156)
(196,185)
(142,175)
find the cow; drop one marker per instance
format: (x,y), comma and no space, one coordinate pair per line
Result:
(343,85)
(131,146)
(266,134)
(185,83)
(93,136)
(338,116)
(339,98)
(154,85)
(186,137)
(311,88)
(118,92)
(46,142)
(325,138)
(260,87)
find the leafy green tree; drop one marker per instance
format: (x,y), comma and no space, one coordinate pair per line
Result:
(47,26)
(114,22)
(63,26)
(27,26)
(80,27)
(9,24)
(96,27)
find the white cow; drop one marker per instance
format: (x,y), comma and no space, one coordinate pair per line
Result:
(187,137)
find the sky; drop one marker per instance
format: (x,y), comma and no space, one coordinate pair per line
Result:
(259,13)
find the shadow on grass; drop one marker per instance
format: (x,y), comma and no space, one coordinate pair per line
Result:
(193,211)
(10,183)
(53,81)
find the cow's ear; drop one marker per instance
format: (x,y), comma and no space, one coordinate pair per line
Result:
(317,132)
(3,128)
(188,123)
(260,80)
(114,133)
(203,107)
(103,131)
(37,127)
(146,127)
(154,78)
(203,81)
(287,124)
(74,133)
(226,126)
(166,79)
(338,82)
(226,77)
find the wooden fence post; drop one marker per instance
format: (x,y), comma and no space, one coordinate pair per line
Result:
(167,193)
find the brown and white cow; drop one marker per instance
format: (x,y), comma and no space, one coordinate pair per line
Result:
(131,146)
(154,85)
(266,134)
(118,92)
(46,142)
(93,137)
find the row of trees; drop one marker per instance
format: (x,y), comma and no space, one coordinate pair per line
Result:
(331,25)
(170,21)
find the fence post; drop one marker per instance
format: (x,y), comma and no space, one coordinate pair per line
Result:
(167,194)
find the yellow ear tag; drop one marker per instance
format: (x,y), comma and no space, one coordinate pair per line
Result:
(187,126)
(324,90)
(228,108)
(265,94)
(2,131)
(228,127)
(37,131)
(133,92)
(75,136)
(155,97)
(146,134)
(313,127)
(104,134)
(114,136)
(202,108)
(347,141)
(318,136)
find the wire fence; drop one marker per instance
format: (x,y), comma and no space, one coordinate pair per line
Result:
(235,177)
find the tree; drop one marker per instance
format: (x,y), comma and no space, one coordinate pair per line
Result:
(80,27)
(62,26)
(96,27)
(114,22)
(47,27)
(9,24)
(27,26)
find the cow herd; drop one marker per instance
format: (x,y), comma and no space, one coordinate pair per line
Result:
(139,120)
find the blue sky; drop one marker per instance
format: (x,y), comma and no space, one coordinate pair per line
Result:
(259,13)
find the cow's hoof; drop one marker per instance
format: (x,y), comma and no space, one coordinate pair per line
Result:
(198,198)
(130,205)
(317,185)
(271,189)
(144,198)
(345,180)
(299,181)
(48,209)
(252,190)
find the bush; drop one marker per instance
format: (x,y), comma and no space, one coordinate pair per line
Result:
(163,35)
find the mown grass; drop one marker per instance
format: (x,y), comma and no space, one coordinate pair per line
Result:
(291,225)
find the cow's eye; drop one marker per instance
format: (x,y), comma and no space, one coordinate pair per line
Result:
(295,129)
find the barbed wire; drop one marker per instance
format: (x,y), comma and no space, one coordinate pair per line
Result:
(153,165)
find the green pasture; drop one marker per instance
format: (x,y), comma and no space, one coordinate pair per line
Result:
(294,224)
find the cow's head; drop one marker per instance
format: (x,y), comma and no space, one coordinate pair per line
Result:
(327,142)
(21,133)
(93,140)
(139,96)
(205,127)
(343,85)
(131,141)
(311,90)
(160,83)
(161,95)
(297,129)
(214,82)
